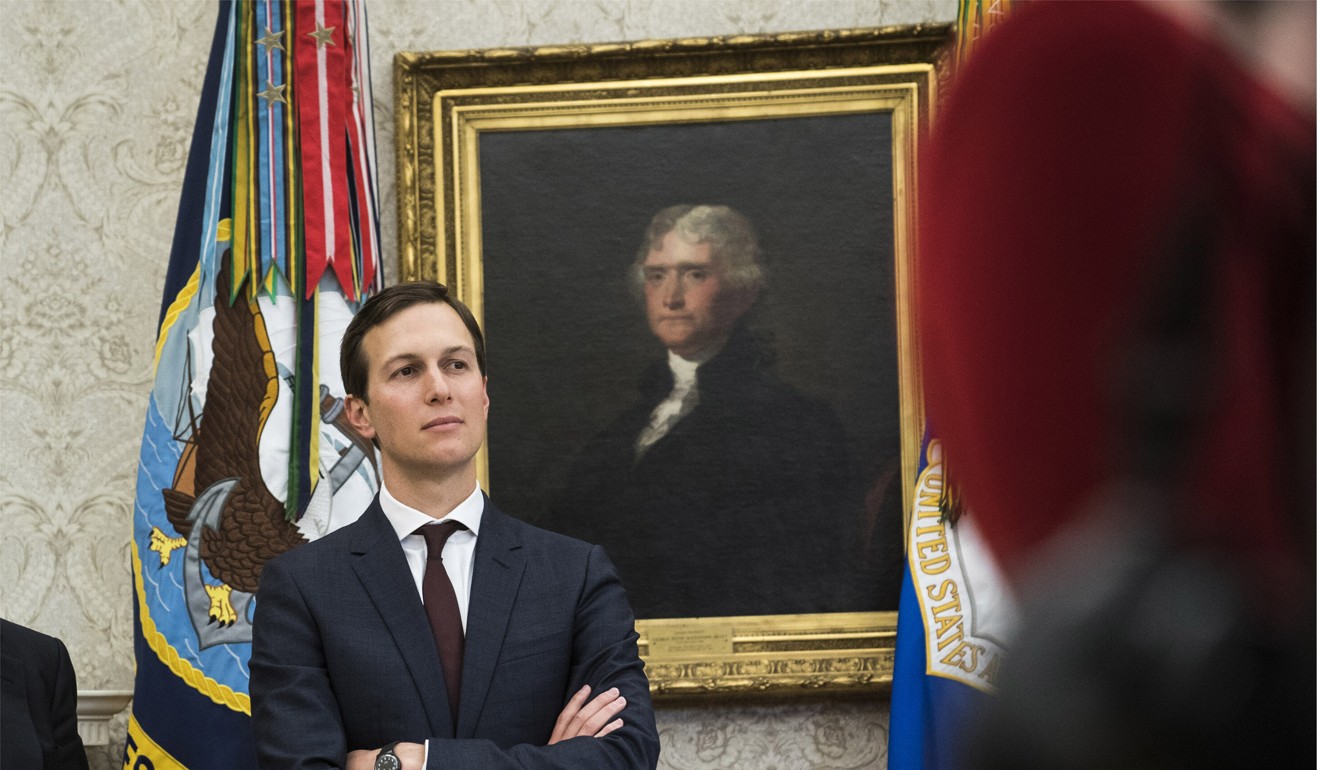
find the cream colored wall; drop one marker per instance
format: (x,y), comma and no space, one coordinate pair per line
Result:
(97,103)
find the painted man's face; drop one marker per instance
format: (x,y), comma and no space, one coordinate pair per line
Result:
(689,304)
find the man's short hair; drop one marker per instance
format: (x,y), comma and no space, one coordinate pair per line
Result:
(731,238)
(380,308)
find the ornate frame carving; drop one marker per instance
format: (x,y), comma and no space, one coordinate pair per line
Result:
(445,100)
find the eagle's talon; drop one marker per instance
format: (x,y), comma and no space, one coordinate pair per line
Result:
(165,545)
(222,611)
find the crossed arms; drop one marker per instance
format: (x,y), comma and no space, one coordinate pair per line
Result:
(579,719)
(328,677)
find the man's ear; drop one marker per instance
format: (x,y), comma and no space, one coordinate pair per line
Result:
(359,417)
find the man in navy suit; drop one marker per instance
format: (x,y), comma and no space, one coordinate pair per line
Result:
(39,717)
(345,669)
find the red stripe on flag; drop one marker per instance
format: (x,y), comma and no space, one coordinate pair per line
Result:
(339,99)
(310,99)
(366,224)
(324,99)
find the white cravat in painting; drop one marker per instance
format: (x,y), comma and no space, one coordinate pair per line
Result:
(678,404)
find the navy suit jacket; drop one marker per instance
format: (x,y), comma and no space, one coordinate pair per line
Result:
(343,657)
(38,703)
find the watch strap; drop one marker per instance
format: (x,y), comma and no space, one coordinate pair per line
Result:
(391,759)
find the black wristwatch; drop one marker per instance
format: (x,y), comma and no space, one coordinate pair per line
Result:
(387,759)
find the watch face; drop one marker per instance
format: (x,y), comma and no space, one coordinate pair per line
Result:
(388,762)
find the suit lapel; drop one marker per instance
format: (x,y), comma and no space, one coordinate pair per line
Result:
(497,573)
(381,566)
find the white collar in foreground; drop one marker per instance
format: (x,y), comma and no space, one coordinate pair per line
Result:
(405,520)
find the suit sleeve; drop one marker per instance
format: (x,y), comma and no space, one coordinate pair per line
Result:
(69,752)
(296,719)
(604,656)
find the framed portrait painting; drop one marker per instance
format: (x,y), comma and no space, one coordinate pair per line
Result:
(692,261)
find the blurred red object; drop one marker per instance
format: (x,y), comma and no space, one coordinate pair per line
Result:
(1073,147)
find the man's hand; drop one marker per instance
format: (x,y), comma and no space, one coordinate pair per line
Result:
(411,755)
(592,719)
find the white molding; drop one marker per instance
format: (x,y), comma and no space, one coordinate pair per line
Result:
(95,710)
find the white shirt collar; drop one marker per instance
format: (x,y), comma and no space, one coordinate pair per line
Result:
(686,368)
(405,520)
(684,371)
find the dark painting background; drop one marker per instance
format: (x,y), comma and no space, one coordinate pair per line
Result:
(563,213)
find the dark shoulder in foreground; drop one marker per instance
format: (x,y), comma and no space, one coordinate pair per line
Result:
(14,637)
(532,536)
(330,547)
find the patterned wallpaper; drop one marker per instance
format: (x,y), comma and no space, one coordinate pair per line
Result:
(97,102)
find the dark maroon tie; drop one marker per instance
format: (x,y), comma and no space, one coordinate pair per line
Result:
(442,608)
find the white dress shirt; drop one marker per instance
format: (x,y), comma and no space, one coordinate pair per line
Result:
(458,548)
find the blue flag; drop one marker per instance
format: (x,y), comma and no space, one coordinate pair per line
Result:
(952,618)
(245,451)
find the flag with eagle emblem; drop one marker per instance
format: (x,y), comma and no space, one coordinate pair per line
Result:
(245,451)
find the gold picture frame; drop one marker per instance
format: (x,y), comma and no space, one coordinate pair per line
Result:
(448,102)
